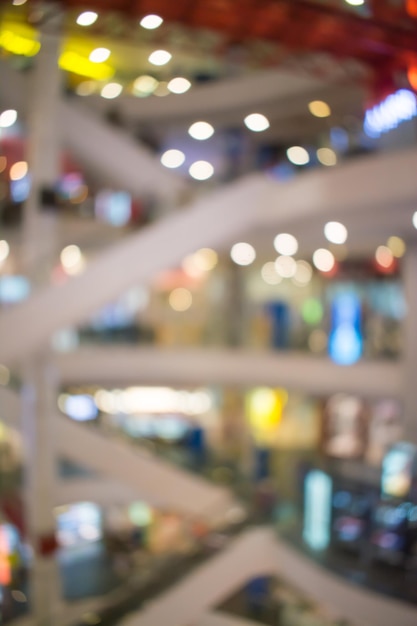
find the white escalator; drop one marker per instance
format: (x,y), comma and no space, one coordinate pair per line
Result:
(148,477)
(371,184)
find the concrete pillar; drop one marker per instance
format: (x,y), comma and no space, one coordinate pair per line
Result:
(43,146)
(39,400)
(410,345)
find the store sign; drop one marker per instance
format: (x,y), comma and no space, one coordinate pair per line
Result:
(390,113)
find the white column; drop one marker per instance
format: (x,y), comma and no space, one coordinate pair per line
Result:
(39,400)
(410,346)
(43,147)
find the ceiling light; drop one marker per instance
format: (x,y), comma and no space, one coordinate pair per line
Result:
(355,3)
(173,158)
(159,57)
(303,273)
(19,3)
(269,274)
(8,118)
(201,170)
(4,250)
(384,256)
(298,155)
(286,266)
(326,156)
(179,85)
(201,130)
(335,232)
(256,122)
(18,170)
(318,108)
(286,244)
(144,85)
(180,299)
(87,18)
(323,260)
(70,255)
(111,90)
(243,253)
(150,22)
(99,55)
(397,246)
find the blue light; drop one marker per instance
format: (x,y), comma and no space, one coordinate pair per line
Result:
(318,493)
(81,408)
(396,108)
(20,189)
(345,341)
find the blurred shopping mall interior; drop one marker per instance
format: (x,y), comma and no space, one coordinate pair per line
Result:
(208,312)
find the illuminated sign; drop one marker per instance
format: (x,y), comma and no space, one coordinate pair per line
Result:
(399,467)
(395,109)
(345,341)
(318,497)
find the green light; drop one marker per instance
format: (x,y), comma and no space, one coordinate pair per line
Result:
(312,311)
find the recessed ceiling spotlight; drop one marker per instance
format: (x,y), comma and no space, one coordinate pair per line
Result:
(160,57)
(150,22)
(173,158)
(179,85)
(87,18)
(298,155)
(318,108)
(335,232)
(256,122)
(99,55)
(201,130)
(201,170)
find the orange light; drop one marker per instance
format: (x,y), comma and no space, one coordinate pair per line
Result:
(411,7)
(412,76)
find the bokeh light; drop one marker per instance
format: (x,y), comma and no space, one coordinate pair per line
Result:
(384,257)
(99,55)
(144,85)
(303,273)
(286,266)
(173,158)
(86,88)
(4,250)
(201,130)
(312,311)
(298,155)
(111,90)
(180,299)
(270,274)
(326,156)
(18,170)
(397,246)
(87,18)
(8,118)
(318,108)
(414,219)
(150,22)
(243,253)
(179,85)
(199,263)
(72,259)
(323,260)
(160,57)
(355,3)
(286,244)
(256,122)
(335,232)
(201,170)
